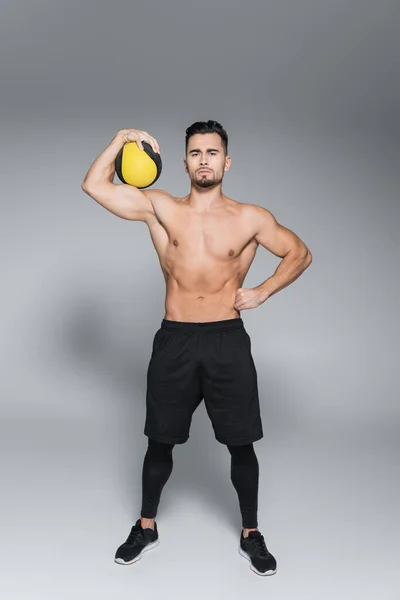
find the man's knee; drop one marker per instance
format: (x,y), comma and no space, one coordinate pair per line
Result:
(244,450)
(159,447)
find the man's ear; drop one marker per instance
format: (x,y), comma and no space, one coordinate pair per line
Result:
(227,163)
(185,165)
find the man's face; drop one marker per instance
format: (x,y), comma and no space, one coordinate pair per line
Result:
(205,159)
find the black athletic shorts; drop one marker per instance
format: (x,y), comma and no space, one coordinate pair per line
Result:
(192,361)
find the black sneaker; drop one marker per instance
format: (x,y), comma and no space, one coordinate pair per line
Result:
(138,541)
(254,549)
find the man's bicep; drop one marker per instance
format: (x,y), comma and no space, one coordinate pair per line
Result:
(123,200)
(275,237)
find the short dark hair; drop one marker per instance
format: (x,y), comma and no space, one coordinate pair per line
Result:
(207,127)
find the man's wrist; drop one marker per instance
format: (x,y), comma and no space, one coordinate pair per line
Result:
(265,290)
(118,139)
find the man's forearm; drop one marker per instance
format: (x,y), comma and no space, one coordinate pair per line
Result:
(103,168)
(289,269)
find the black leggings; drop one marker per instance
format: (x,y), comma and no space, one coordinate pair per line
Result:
(157,468)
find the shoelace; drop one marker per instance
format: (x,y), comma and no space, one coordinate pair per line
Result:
(259,543)
(134,535)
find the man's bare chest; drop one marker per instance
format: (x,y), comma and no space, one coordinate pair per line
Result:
(216,236)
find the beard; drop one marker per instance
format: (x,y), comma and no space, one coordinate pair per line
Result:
(206,181)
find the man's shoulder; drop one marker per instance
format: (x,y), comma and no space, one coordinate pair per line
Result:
(163,196)
(250,210)
(156,194)
(255,208)
(163,202)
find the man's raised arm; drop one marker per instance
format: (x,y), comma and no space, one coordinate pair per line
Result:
(125,201)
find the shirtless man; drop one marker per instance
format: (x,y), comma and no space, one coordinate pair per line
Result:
(206,243)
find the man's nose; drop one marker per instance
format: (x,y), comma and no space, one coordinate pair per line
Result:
(203,161)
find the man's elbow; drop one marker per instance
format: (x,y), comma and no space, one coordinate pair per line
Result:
(86,187)
(303,254)
(308,257)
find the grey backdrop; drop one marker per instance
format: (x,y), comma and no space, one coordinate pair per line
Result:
(308,91)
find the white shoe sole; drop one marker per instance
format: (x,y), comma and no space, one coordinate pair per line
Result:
(252,567)
(150,546)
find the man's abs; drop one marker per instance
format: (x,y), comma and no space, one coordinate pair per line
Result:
(200,303)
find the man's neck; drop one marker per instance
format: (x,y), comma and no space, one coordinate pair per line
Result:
(205,199)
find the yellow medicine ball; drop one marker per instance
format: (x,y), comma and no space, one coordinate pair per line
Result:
(140,168)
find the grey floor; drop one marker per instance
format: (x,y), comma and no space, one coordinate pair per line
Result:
(328,508)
